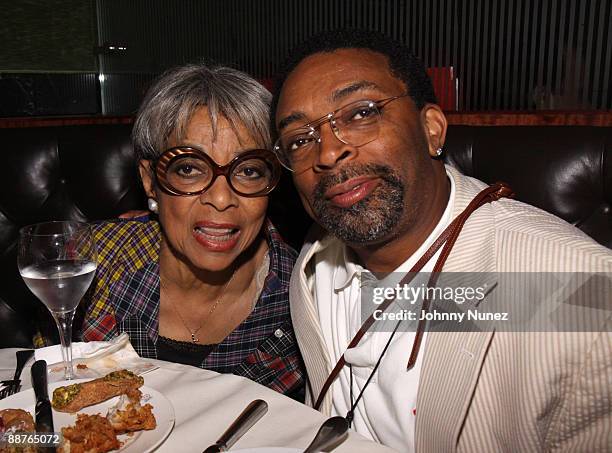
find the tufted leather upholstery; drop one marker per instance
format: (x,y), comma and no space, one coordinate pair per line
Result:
(565,170)
(88,173)
(80,173)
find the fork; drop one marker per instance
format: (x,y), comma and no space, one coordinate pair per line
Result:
(12,386)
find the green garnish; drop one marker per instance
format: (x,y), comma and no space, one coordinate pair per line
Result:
(117,375)
(63,395)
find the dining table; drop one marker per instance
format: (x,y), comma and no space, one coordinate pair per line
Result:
(205,403)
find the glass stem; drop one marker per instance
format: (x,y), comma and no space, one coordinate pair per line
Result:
(64,325)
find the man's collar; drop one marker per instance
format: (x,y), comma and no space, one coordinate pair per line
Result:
(351,269)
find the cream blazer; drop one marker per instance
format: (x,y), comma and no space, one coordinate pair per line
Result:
(495,391)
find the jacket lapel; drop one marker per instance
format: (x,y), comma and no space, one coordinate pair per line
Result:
(448,378)
(453,360)
(304,315)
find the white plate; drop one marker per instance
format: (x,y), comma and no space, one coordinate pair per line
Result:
(140,442)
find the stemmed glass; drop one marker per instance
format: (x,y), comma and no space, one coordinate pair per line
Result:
(57,261)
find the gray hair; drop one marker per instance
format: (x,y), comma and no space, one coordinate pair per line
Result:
(174,97)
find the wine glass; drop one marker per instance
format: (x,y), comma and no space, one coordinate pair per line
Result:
(57,261)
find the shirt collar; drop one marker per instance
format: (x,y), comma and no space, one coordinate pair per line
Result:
(351,269)
(282,259)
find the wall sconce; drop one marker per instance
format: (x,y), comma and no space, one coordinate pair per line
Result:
(110,49)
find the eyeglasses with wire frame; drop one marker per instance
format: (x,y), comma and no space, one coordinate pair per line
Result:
(185,171)
(355,124)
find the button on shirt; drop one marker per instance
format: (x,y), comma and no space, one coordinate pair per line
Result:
(386,412)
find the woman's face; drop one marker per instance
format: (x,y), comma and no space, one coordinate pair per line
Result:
(209,231)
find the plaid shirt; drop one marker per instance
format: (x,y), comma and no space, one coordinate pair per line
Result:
(125,298)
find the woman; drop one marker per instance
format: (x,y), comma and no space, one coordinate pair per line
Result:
(207,284)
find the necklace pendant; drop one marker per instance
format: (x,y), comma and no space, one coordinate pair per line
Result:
(194,339)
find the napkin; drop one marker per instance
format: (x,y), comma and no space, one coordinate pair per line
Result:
(95,359)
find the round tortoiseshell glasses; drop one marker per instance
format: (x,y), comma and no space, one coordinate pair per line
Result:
(185,171)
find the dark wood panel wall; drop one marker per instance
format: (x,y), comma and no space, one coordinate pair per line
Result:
(504,54)
(496,54)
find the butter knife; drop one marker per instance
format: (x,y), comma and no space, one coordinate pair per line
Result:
(43,414)
(249,416)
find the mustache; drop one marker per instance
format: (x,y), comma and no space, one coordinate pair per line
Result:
(351,171)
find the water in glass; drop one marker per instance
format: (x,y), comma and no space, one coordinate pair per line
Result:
(57,261)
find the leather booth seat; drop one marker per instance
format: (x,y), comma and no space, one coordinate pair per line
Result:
(88,173)
(565,170)
(55,173)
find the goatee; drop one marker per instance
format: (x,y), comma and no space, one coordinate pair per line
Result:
(371,218)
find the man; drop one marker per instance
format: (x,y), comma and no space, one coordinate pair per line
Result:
(369,174)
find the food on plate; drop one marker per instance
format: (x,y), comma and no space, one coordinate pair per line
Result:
(14,421)
(82,366)
(72,398)
(91,434)
(129,415)
(97,434)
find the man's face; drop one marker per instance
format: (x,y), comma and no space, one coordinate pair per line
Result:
(363,194)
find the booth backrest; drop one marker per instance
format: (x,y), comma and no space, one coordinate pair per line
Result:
(89,173)
(565,170)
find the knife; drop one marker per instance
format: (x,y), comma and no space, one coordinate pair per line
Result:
(249,416)
(43,414)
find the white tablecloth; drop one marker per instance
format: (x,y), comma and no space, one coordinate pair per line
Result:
(205,404)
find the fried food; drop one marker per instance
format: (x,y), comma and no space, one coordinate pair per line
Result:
(129,415)
(16,421)
(72,398)
(91,434)
(94,433)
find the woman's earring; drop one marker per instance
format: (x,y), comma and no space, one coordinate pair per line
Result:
(153,206)
(439,152)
